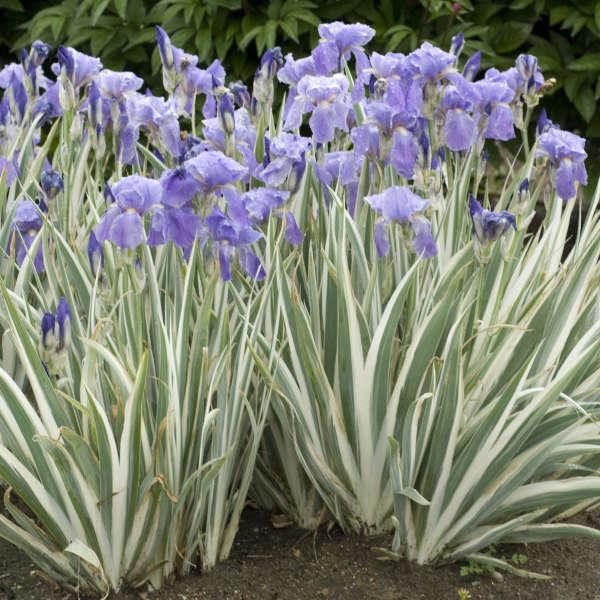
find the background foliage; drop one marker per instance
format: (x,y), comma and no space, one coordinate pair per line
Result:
(564,34)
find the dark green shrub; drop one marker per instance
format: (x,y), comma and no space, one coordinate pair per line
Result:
(564,34)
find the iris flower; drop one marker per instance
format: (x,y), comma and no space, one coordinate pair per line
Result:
(566,154)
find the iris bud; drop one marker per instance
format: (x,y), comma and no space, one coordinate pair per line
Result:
(52,183)
(457,44)
(226,112)
(55,338)
(95,254)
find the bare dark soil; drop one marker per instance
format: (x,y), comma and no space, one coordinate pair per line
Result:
(289,564)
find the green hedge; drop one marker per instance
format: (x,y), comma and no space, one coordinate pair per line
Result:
(564,35)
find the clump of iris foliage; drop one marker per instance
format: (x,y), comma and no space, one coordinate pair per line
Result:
(330,308)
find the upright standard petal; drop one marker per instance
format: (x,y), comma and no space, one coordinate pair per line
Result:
(397,203)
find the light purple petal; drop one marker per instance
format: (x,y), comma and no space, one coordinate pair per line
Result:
(127,230)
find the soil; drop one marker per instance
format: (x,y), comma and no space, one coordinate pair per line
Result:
(290,564)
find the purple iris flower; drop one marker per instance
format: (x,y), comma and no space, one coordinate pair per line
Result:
(79,68)
(397,204)
(488,225)
(115,85)
(178,225)
(398,129)
(393,79)
(382,242)
(270,62)
(382,68)
(193,82)
(214,170)
(405,150)
(495,98)
(344,167)
(432,63)
(294,70)
(233,237)
(179,187)
(255,207)
(123,222)
(424,243)
(326,98)
(339,40)
(293,235)
(245,136)
(27,223)
(49,103)
(567,155)
(514,79)
(366,139)
(158,118)
(111,106)
(489,98)
(286,161)
(9,168)
(347,38)
(174,218)
(460,128)
(260,202)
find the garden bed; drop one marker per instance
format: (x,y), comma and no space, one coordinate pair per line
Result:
(289,564)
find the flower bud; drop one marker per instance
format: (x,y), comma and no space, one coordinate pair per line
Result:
(226,112)
(241,95)
(63,320)
(39,53)
(52,183)
(472,66)
(164,48)
(95,253)
(55,338)
(526,66)
(48,340)
(524,188)
(457,44)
